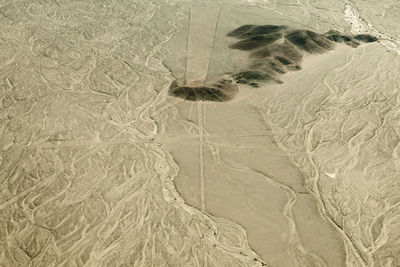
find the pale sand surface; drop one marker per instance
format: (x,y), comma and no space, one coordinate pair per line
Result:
(99,166)
(238,172)
(243,175)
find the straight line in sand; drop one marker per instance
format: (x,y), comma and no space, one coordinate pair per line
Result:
(200,112)
(199,52)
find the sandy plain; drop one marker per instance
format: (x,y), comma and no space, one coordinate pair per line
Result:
(101,166)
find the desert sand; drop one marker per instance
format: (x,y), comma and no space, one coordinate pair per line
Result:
(199,133)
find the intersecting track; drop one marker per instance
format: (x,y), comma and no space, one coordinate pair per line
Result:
(199,52)
(201,118)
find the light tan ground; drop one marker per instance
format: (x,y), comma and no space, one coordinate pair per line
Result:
(86,175)
(231,167)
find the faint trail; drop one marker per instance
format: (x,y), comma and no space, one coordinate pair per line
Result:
(199,53)
(213,43)
(48,180)
(199,47)
(200,112)
(187,45)
(85,182)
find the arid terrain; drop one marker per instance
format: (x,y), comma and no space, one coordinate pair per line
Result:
(200,133)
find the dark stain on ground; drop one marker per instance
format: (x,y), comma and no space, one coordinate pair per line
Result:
(257,41)
(366,38)
(221,91)
(337,37)
(273,50)
(249,31)
(253,75)
(309,41)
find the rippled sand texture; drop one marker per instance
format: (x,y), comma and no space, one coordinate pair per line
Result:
(347,145)
(230,166)
(93,148)
(82,181)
